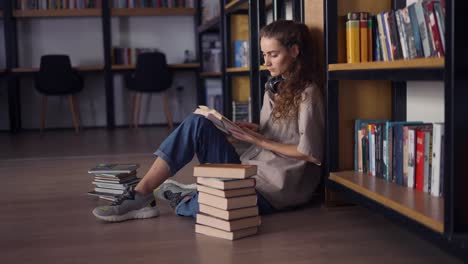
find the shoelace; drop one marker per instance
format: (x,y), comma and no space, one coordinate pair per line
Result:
(128,194)
(174,198)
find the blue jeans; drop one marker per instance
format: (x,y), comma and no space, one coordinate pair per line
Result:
(197,135)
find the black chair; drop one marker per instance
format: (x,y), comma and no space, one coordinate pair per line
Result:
(152,75)
(57,78)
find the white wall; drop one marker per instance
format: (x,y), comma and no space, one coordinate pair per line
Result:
(425,101)
(81,38)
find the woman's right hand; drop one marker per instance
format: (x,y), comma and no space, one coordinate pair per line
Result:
(247,125)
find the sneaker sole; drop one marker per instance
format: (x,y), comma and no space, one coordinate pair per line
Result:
(192,186)
(144,213)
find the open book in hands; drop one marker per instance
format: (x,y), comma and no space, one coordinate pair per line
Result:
(220,121)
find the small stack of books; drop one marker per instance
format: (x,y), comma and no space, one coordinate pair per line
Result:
(227,200)
(111,180)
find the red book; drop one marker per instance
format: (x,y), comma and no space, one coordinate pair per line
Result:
(419,169)
(439,50)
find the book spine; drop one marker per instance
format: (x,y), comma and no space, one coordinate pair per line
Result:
(415,29)
(424,33)
(438,131)
(419,172)
(382,38)
(439,51)
(370,31)
(411,157)
(352,38)
(363,28)
(402,34)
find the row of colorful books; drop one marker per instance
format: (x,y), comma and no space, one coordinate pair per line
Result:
(152,3)
(409,154)
(111,180)
(241,111)
(415,31)
(56,4)
(227,200)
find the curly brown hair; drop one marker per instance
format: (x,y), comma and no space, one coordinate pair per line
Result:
(304,70)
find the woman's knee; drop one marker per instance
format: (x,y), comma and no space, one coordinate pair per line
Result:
(196,119)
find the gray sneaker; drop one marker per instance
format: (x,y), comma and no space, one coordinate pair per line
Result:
(174,192)
(129,205)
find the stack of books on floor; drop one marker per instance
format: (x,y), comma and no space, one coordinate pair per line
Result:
(227,200)
(111,180)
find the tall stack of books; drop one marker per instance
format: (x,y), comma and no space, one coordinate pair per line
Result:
(227,200)
(111,180)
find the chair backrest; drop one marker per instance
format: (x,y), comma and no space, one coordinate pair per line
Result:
(56,76)
(152,73)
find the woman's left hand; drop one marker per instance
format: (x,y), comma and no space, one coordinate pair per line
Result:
(249,136)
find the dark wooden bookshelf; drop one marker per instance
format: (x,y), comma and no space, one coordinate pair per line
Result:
(210,74)
(236,5)
(153,11)
(378,90)
(86,12)
(416,205)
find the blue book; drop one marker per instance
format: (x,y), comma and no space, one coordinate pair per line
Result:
(241,53)
(415,29)
(388,146)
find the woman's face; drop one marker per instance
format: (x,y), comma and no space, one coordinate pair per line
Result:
(277,57)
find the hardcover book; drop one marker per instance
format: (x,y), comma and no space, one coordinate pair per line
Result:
(232,171)
(228,214)
(226,193)
(228,225)
(114,168)
(220,121)
(210,231)
(227,203)
(226,184)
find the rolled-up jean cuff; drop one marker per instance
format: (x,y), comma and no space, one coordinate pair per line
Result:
(166,158)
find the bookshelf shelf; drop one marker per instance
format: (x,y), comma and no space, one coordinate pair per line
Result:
(401,70)
(211,25)
(236,5)
(180,66)
(416,205)
(243,69)
(153,11)
(89,12)
(78,68)
(238,69)
(210,74)
(382,65)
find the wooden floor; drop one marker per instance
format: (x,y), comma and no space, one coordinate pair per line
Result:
(46,216)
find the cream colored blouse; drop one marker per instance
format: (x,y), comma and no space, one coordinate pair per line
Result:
(284,181)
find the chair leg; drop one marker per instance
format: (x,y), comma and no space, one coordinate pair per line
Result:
(77,111)
(132,109)
(43,112)
(71,103)
(138,106)
(168,111)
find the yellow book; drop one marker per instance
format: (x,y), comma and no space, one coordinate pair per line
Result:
(352,40)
